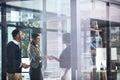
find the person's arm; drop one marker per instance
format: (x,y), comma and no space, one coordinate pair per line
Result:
(53,57)
(24,65)
(57,59)
(65,73)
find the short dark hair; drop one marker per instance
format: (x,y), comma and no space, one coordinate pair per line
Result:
(67,37)
(15,32)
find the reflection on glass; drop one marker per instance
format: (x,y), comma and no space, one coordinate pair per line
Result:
(56,25)
(54,47)
(56,68)
(58,7)
(25,15)
(115,39)
(114,13)
(97,8)
(58,22)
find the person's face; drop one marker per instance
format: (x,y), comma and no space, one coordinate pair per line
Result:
(19,36)
(37,41)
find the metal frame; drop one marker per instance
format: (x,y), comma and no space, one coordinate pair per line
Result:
(4,40)
(4,1)
(108,48)
(74,40)
(44,31)
(110,1)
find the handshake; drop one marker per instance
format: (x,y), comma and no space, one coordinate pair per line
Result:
(52,58)
(24,65)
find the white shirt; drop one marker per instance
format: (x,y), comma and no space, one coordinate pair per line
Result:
(16,42)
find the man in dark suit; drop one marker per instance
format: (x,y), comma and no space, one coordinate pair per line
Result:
(14,64)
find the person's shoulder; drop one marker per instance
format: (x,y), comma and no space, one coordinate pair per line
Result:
(11,43)
(31,47)
(68,48)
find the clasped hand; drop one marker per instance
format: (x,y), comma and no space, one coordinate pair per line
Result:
(24,65)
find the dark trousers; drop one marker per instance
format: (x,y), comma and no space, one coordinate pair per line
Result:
(35,74)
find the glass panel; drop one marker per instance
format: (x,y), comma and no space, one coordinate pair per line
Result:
(115,40)
(98,40)
(28,15)
(84,61)
(114,13)
(55,47)
(58,23)
(55,25)
(58,7)
(97,8)
(25,15)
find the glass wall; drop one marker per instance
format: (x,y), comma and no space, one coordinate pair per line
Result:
(49,18)
(114,11)
(84,62)
(26,16)
(98,39)
(94,28)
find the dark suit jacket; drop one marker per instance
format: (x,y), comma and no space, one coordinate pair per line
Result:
(13,58)
(34,58)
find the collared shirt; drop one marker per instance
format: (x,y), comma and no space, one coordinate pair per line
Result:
(16,42)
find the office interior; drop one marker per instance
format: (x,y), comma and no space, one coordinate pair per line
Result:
(95,35)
